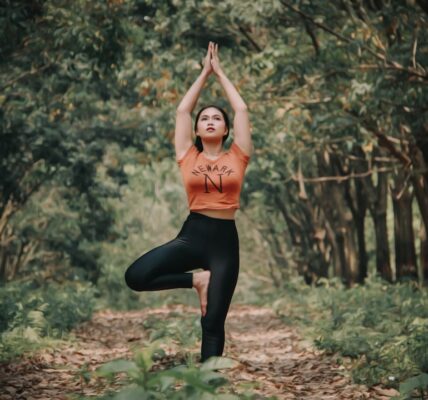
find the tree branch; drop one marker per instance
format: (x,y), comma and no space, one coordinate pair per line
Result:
(249,38)
(385,141)
(25,74)
(377,55)
(299,177)
(414,49)
(423,4)
(310,31)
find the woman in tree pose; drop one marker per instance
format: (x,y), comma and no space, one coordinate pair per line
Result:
(208,238)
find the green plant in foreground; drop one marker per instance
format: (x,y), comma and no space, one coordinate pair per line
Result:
(181,382)
(418,384)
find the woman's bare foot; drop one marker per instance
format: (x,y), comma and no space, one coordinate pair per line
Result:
(200,283)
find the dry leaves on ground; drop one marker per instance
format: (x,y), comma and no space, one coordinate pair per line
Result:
(273,359)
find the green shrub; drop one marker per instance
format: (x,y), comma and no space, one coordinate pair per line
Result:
(414,386)
(29,313)
(114,293)
(382,328)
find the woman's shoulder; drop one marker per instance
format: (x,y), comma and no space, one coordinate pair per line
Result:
(192,149)
(235,148)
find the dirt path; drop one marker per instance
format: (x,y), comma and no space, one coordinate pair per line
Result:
(273,359)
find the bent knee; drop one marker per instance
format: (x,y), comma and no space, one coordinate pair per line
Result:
(133,281)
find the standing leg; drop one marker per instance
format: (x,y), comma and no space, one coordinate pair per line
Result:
(224,276)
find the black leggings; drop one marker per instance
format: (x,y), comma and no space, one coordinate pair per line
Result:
(203,242)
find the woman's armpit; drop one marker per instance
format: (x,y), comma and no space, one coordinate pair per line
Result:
(240,153)
(188,151)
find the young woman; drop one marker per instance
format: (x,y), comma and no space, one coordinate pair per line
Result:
(208,238)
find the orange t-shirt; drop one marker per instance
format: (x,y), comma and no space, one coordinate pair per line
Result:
(213,184)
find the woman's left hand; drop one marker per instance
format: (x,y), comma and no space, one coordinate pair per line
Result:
(215,63)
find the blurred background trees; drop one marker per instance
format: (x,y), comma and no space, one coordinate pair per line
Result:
(338,184)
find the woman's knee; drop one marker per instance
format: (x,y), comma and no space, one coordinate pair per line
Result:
(130,279)
(135,278)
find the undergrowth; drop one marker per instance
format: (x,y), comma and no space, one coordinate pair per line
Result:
(32,316)
(152,374)
(380,329)
(182,382)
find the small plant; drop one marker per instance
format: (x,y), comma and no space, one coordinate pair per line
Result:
(417,385)
(180,382)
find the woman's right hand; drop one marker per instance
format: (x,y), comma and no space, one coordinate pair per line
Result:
(208,69)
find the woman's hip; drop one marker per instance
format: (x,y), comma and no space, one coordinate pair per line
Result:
(210,234)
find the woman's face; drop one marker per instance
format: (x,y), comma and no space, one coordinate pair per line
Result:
(211,124)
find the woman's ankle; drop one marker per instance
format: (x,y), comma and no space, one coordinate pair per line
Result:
(195,279)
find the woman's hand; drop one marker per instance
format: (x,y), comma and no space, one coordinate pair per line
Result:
(215,62)
(208,69)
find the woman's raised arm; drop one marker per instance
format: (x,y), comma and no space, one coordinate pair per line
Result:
(241,121)
(183,118)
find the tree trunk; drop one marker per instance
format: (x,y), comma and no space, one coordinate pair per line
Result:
(420,184)
(295,235)
(315,245)
(341,219)
(405,253)
(356,195)
(379,213)
(345,239)
(423,257)
(334,249)
(3,261)
(306,230)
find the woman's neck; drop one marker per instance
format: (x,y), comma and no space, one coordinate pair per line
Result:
(212,149)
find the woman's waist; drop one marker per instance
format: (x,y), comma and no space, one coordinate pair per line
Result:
(228,214)
(200,227)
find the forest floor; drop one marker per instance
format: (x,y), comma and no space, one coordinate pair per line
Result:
(272,358)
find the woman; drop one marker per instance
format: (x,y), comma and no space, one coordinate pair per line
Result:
(208,238)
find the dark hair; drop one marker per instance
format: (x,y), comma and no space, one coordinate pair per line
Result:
(198,141)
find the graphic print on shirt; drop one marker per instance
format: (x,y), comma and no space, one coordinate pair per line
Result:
(216,183)
(212,176)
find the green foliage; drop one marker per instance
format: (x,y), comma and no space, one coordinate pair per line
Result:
(58,86)
(381,328)
(82,81)
(180,382)
(184,331)
(29,314)
(417,383)
(149,213)
(113,290)
(79,78)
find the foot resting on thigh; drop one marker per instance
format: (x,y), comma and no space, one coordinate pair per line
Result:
(200,283)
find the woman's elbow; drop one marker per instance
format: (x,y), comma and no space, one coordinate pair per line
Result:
(182,110)
(241,108)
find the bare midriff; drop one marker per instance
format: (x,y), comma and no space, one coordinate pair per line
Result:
(223,214)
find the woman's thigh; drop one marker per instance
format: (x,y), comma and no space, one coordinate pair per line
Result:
(164,264)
